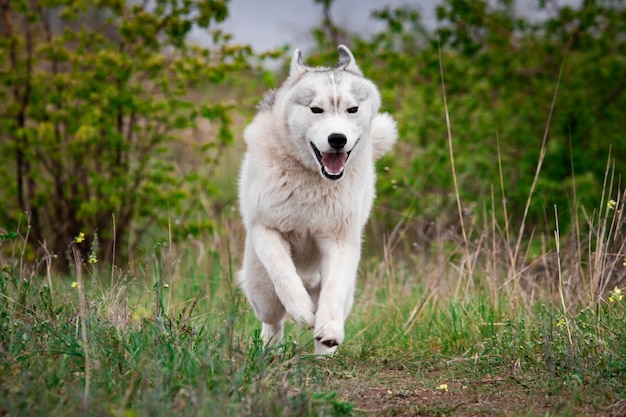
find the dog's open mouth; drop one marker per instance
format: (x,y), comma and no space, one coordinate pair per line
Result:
(332,163)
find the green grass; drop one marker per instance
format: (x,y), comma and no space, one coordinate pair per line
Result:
(174,336)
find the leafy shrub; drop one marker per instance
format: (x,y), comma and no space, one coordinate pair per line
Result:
(92,100)
(502,72)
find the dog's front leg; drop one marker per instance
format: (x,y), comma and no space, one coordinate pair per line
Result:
(274,253)
(339,268)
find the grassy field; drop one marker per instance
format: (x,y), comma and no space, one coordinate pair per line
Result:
(456,329)
(471,321)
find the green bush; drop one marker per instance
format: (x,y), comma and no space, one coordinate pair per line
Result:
(92,100)
(501,74)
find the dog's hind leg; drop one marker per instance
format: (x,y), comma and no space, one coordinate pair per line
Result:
(272,333)
(259,289)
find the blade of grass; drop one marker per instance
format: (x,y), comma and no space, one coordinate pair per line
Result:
(113,249)
(82,309)
(452,164)
(542,155)
(557,238)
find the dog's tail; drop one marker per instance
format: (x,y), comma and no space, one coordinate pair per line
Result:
(383,134)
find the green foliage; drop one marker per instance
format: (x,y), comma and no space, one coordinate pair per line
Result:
(501,74)
(94,98)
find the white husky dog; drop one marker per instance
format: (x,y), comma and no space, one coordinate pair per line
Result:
(306,190)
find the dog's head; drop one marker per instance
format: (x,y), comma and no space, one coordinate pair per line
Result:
(329,112)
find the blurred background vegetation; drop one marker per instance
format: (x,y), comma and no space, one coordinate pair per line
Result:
(112,123)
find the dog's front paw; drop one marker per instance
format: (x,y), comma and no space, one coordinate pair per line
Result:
(328,337)
(325,347)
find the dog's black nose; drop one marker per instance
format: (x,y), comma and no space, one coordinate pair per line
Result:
(337,140)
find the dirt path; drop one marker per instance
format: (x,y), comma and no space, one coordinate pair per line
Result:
(401,392)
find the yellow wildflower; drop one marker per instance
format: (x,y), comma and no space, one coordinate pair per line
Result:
(74,284)
(615,295)
(80,238)
(443,387)
(611,205)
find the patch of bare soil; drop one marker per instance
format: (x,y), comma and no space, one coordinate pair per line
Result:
(399,392)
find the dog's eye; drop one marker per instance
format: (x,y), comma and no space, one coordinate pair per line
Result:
(317,110)
(353,109)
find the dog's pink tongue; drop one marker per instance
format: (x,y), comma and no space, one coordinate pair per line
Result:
(334,162)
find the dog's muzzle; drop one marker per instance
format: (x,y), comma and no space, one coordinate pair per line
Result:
(333,163)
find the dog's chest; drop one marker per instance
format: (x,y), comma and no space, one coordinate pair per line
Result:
(314,203)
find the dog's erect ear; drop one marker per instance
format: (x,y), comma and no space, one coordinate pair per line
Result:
(297,63)
(346,60)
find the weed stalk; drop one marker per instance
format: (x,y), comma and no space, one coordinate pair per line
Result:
(82,306)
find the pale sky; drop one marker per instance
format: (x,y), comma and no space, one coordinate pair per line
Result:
(269,24)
